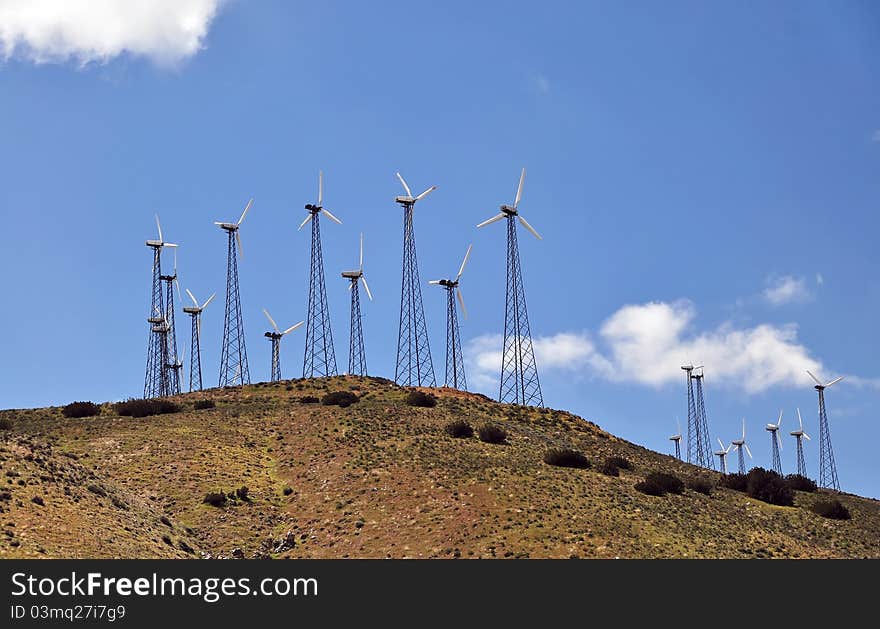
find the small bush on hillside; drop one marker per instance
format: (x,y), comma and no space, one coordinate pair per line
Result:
(800,483)
(242,493)
(564,457)
(145,408)
(419,398)
(609,468)
(201,405)
(832,509)
(490,433)
(81,409)
(619,462)
(660,484)
(342,399)
(215,499)
(5,423)
(309,399)
(459,429)
(770,487)
(700,485)
(736,482)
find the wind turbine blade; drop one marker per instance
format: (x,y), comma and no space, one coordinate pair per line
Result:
(807,437)
(271,320)
(779,420)
(246,208)
(522,178)
(744,429)
(331,217)
(217,223)
(749,452)
(179,296)
(361,264)
(320,186)
(159,227)
(199,328)
(169,244)
(815,379)
(293,327)
(405,187)
(529,227)
(800,420)
(426,193)
(238,240)
(778,439)
(366,287)
(720,443)
(434,281)
(835,381)
(494,219)
(461,302)
(194,300)
(205,305)
(308,218)
(464,262)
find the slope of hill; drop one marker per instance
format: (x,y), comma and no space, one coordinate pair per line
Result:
(377,479)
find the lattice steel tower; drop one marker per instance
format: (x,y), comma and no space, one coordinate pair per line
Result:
(357,358)
(195,353)
(414,365)
(455,376)
(740,445)
(519,371)
(827,466)
(275,336)
(156,378)
(320,355)
(233,356)
(799,436)
(676,439)
(775,444)
(173,365)
(704,442)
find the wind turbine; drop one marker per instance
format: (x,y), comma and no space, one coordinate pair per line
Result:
(676,438)
(800,434)
(357,358)
(171,336)
(827,466)
(195,362)
(414,365)
(156,379)
(775,444)
(233,356)
(722,456)
(275,337)
(740,445)
(319,358)
(519,371)
(455,376)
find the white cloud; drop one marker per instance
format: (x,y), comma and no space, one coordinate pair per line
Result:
(43,31)
(786,289)
(647,344)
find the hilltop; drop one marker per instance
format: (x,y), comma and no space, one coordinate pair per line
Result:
(378,478)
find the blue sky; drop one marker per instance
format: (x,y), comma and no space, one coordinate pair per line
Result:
(705,176)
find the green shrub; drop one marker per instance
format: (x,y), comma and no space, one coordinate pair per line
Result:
(242,493)
(309,399)
(5,423)
(833,509)
(419,398)
(564,457)
(145,408)
(769,487)
(700,485)
(490,433)
(609,468)
(201,405)
(81,409)
(459,429)
(736,482)
(215,499)
(619,462)
(800,483)
(660,483)
(343,399)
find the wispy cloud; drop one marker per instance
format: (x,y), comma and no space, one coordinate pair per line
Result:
(786,289)
(647,344)
(56,31)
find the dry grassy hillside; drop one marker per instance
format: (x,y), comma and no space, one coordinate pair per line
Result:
(377,479)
